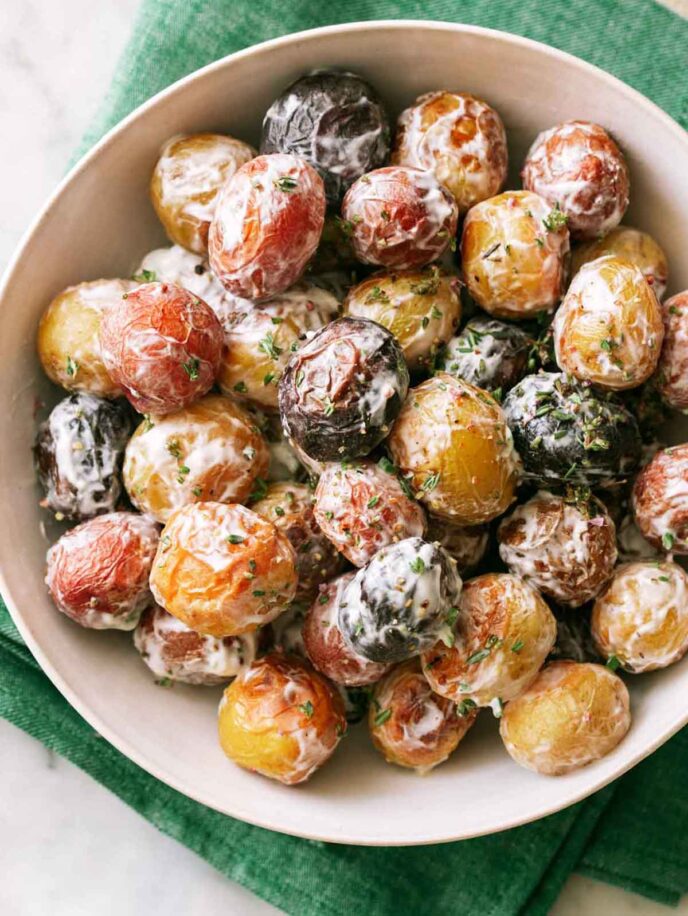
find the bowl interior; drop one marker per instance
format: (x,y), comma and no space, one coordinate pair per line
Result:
(100,223)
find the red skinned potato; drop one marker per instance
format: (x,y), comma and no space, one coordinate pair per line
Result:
(280,718)
(326,646)
(222,569)
(162,345)
(361,508)
(672,370)
(660,500)
(290,508)
(399,217)
(173,652)
(565,548)
(98,572)
(267,225)
(458,137)
(410,725)
(579,168)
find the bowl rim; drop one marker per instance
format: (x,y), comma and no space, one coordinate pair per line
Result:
(81,705)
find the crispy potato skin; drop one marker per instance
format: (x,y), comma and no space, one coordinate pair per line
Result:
(609,330)
(579,168)
(68,337)
(566,551)
(421,308)
(162,345)
(174,652)
(362,508)
(458,137)
(211,450)
(97,572)
(642,616)
(410,725)
(513,265)
(266,226)
(280,718)
(222,569)
(444,418)
(672,370)
(399,218)
(660,500)
(326,646)
(291,509)
(632,245)
(186,183)
(503,633)
(573,714)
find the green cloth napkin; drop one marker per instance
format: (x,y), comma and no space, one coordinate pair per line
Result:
(632,833)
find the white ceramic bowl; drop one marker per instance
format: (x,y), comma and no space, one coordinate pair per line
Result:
(99,223)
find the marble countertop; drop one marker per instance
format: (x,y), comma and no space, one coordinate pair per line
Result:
(56,60)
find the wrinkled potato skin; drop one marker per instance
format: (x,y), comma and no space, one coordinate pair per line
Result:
(632,245)
(422,728)
(573,714)
(325,644)
(512,264)
(660,500)
(609,329)
(259,342)
(460,138)
(67,341)
(450,428)
(220,588)
(497,611)
(566,551)
(672,370)
(290,508)
(281,719)
(215,438)
(362,508)
(467,544)
(642,616)
(421,308)
(187,180)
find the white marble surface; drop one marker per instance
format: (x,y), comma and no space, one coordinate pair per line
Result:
(67,846)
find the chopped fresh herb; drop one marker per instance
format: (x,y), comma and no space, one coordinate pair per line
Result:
(72,366)
(328,407)
(417,565)
(329,515)
(286,183)
(306,708)
(612,663)
(664,578)
(260,489)
(382,717)
(517,646)
(191,368)
(555,220)
(452,616)
(386,465)
(668,540)
(269,347)
(279,511)
(539,242)
(299,377)
(431,482)
(373,501)
(608,344)
(465,706)
(377,294)
(241,388)
(268,377)
(258,593)
(197,492)
(235,539)
(478,656)
(145,276)
(323,599)
(428,285)
(385,215)
(345,226)
(173,448)
(277,320)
